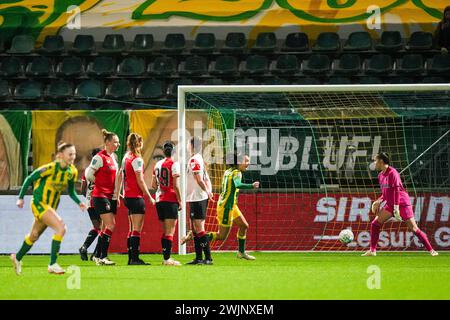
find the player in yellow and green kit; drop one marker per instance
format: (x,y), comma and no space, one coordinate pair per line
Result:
(227,209)
(49,181)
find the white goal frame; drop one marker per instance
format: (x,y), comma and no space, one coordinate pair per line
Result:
(181,107)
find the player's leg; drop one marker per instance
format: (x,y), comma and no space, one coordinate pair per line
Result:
(167,241)
(54,221)
(225,221)
(106,208)
(201,240)
(375,228)
(137,223)
(242,224)
(412,226)
(92,235)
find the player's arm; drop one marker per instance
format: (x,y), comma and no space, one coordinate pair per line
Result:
(237,180)
(40,172)
(138,167)
(73,193)
(118,184)
(196,170)
(176,182)
(154,185)
(95,164)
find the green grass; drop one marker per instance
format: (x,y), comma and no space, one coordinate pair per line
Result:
(271,276)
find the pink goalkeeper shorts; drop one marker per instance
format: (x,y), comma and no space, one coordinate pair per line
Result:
(406,212)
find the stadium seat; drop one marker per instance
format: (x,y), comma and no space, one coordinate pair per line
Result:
(102,66)
(194,66)
(214,82)
(296,42)
(286,64)
(327,42)
(39,67)
(81,106)
(20,107)
(204,43)
(307,81)
(150,89)
(142,43)
(22,44)
(390,41)
(440,64)
(131,67)
(434,79)
(245,82)
(83,44)
(370,80)
(70,67)
(112,106)
(255,65)
(276,81)
(174,43)
(53,45)
(379,64)
(162,66)
(120,89)
(265,42)
(348,64)
(224,65)
(173,87)
(358,41)
(11,67)
(317,64)
(235,42)
(50,106)
(420,40)
(5,91)
(410,64)
(401,80)
(28,90)
(59,90)
(113,44)
(339,80)
(90,88)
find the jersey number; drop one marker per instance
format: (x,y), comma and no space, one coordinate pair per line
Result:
(163,176)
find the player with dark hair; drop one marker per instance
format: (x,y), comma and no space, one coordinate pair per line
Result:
(131,177)
(103,170)
(227,209)
(86,188)
(49,181)
(394,201)
(165,179)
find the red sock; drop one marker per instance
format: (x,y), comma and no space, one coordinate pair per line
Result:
(424,239)
(375,228)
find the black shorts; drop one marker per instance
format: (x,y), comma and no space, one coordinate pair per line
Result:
(104,205)
(135,205)
(93,215)
(167,210)
(197,209)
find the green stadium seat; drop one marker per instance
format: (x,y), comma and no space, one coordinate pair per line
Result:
(11,67)
(440,64)
(420,40)
(22,44)
(307,81)
(296,42)
(131,67)
(194,66)
(317,64)
(28,90)
(348,64)
(245,82)
(327,42)
(411,64)
(174,43)
(5,90)
(83,44)
(265,42)
(276,81)
(214,82)
(173,88)
(339,80)
(70,67)
(255,65)
(401,80)
(163,66)
(434,79)
(90,88)
(53,45)
(102,66)
(39,67)
(379,64)
(390,41)
(235,42)
(286,64)
(142,44)
(113,44)
(204,43)
(120,89)
(59,90)
(370,80)
(225,65)
(150,89)
(358,41)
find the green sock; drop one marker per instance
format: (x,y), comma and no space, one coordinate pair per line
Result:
(241,245)
(56,244)
(26,246)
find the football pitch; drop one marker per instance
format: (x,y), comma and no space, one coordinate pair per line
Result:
(407,275)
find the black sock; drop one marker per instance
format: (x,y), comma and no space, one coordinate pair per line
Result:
(97,250)
(106,238)
(134,247)
(198,248)
(90,238)
(204,244)
(129,248)
(166,247)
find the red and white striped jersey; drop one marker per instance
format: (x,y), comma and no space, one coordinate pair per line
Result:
(164,172)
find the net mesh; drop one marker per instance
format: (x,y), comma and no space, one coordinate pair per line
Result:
(313,155)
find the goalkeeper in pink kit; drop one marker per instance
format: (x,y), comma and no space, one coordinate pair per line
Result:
(394,201)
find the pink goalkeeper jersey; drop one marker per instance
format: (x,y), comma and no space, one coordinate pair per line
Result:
(392,188)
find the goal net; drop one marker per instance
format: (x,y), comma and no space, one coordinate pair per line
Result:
(312,149)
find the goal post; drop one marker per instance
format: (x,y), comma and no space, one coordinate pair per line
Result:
(311,147)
